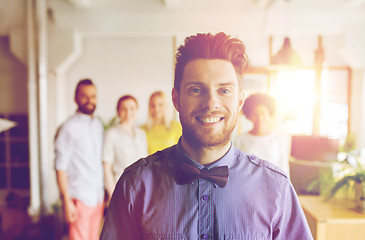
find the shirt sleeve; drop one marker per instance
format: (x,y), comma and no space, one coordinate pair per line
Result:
(120,220)
(63,148)
(292,223)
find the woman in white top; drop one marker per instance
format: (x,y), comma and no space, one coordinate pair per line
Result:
(124,143)
(263,140)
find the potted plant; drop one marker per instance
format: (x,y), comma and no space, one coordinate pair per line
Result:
(110,123)
(353,177)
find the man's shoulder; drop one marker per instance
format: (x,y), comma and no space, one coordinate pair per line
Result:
(153,159)
(75,122)
(71,120)
(255,161)
(143,162)
(78,118)
(68,123)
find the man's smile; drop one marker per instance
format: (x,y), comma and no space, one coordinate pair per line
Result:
(209,120)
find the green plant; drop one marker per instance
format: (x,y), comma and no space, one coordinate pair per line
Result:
(351,174)
(346,182)
(330,182)
(341,181)
(110,123)
(349,145)
(322,184)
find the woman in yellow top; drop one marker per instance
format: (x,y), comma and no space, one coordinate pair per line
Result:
(160,130)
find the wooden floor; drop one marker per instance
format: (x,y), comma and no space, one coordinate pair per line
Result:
(17,225)
(13,221)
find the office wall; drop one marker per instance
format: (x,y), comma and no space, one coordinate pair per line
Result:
(13,81)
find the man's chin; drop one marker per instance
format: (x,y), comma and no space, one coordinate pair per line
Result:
(215,144)
(206,141)
(87,111)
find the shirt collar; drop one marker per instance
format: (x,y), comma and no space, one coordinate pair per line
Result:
(84,116)
(226,160)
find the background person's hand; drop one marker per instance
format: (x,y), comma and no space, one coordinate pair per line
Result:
(70,211)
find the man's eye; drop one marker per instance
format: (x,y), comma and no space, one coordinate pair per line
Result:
(195,91)
(225,91)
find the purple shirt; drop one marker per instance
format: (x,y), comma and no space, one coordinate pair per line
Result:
(258,202)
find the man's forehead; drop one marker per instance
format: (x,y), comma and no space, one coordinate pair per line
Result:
(87,87)
(87,90)
(214,65)
(212,78)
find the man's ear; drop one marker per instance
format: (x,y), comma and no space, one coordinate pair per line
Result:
(76,99)
(175,99)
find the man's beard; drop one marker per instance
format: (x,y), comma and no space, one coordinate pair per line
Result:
(200,139)
(85,109)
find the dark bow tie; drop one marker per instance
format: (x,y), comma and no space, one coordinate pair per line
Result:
(218,175)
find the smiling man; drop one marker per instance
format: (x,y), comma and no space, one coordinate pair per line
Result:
(208,100)
(203,187)
(79,167)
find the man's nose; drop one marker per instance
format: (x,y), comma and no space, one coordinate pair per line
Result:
(210,101)
(90,99)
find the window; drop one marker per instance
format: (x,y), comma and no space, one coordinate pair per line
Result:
(306,104)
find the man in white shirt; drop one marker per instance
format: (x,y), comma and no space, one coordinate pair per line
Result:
(78,148)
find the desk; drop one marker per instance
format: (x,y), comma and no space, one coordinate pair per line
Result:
(333,219)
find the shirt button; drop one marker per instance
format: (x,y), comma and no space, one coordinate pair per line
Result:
(205,197)
(204,236)
(252,157)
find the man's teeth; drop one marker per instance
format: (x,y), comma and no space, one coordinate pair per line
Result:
(210,120)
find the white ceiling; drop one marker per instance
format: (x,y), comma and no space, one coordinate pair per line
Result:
(156,17)
(248,18)
(181,4)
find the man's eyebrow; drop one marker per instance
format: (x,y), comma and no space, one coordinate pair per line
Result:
(193,83)
(228,84)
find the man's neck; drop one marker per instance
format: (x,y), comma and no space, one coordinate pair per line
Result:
(90,115)
(204,155)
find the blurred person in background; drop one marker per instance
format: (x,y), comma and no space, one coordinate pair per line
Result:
(161,130)
(264,139)
(124,143)
(78,164)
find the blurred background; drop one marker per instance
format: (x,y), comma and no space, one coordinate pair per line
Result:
(307,54)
